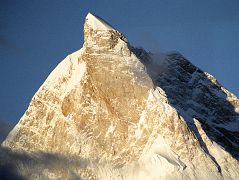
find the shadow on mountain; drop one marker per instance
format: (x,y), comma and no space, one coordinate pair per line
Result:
(21,166)
(9,171)
(196,96)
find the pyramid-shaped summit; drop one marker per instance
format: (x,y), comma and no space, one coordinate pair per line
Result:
(112,111)
(96,23)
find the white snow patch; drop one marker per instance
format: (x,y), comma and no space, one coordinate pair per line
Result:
(72,69)
(159,162)
(97,23)
(77,74)
(110,130)
(162,150)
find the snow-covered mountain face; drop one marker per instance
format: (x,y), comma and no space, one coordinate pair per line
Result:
(129,114)
(197,96)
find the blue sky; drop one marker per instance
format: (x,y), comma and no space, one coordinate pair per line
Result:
(36,35)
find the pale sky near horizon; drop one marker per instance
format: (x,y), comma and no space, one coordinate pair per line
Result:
(36,35)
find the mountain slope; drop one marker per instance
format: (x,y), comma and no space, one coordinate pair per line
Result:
(131,114)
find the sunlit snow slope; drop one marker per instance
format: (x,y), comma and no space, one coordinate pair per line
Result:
(129,114)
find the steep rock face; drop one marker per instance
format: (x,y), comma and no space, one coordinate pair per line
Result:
(101,104)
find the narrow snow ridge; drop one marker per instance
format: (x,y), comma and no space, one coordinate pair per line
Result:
(97,23)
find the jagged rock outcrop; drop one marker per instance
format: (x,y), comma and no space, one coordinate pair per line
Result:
(131,114)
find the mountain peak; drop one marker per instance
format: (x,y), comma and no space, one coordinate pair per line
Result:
(111,110)
(100,36)
(96,23)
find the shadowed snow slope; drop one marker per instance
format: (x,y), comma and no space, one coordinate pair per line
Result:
(130,114)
